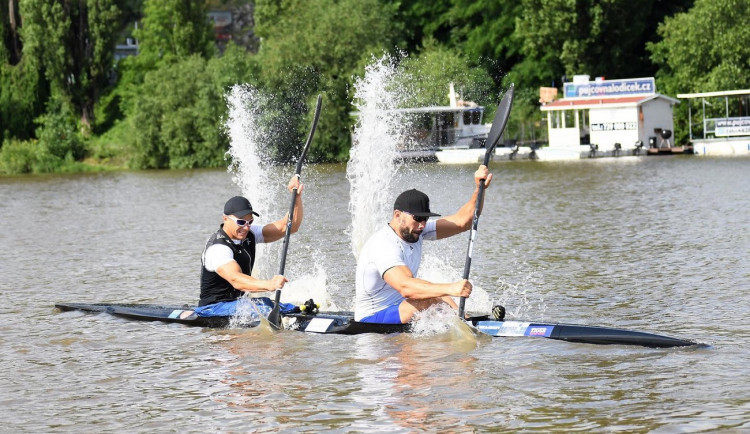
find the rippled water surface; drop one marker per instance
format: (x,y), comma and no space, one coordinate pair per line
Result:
(652,244)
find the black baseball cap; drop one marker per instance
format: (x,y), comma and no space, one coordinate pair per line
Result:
(415,203)
(238,206)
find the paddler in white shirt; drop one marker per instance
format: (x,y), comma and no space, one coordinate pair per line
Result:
(387,289)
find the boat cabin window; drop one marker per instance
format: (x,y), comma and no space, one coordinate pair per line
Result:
(472,118)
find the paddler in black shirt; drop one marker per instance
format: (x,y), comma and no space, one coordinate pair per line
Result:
(228,258)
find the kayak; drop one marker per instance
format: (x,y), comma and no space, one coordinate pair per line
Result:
(343,323)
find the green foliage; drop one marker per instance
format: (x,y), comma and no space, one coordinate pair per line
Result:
(307,49)
(427,77)
(169,32)
(176,119)
(599,38)
(706,48)
(17,157)
(22,94)
(174,29)
(426,19)
(485,31)
(72,42)
(57,132)
(58,148)
(167,107)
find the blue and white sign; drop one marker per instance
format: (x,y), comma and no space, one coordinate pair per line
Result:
(610,88)
(733,127)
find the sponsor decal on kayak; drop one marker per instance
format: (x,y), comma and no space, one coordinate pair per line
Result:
(515,328)
(503,328)
(175,314)
(319,325)
(540,331)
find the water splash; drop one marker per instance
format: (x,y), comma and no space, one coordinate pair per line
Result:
(311,284)
(515,296)
(249,124)
(373,169)
(436,269)
(441,320)
(246,126)
(248,313)
(437,319)
(377,133)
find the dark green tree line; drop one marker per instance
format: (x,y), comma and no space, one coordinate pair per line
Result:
(164,107)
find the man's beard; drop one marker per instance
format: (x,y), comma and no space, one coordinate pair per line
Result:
(408,236)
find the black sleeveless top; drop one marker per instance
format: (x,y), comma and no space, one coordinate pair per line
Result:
(213,287)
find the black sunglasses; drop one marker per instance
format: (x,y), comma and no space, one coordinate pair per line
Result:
(420,219)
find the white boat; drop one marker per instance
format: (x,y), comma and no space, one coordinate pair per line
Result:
(723,135)
(445,133)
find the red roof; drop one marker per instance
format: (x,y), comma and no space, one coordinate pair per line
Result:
(572,102)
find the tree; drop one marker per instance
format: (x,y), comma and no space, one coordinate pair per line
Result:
(22,88)
(10,41)
(590,37)
(177,121)
(706,48)
(73,43)
(426,19)
(306,49)
(485,31)
(427,77)
(174,29)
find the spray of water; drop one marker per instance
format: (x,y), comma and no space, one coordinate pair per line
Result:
(373,169)
(436,269)
(515,291)
(248,126)
(377,133)
(249,160)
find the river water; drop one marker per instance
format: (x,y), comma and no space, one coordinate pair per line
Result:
(652,244)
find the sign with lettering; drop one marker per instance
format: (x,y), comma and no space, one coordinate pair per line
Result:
(613,126)
(732,127)
(610,88)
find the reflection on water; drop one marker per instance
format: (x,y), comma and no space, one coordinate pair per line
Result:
(660,245)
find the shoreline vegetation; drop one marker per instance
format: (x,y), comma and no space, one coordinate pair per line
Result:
(71,102)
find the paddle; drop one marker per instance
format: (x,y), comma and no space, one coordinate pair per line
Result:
(274,318)
(498,126)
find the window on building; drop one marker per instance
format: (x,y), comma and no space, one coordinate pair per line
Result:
(556,119)
(583,119)
(570,119)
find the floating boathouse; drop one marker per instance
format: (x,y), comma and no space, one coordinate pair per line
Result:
(610,118)
(716,134)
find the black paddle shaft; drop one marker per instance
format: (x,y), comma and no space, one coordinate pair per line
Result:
(498,126)
(297,172)
(274,317)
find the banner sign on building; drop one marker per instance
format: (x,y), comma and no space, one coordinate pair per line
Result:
(613,126)
(733,127)
(610,88)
